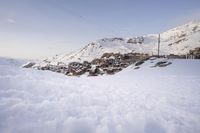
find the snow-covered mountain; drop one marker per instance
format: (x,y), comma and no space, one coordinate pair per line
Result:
(181,39)
(176,41)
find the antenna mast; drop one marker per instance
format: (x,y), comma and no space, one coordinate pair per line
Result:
(158,45)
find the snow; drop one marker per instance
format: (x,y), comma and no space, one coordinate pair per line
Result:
(146,100)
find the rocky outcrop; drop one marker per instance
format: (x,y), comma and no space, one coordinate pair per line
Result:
(136,40)
(29,64)
(162,64)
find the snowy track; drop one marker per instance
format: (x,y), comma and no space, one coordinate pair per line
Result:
(147,100)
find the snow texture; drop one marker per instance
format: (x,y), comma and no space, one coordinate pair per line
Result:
(146,100)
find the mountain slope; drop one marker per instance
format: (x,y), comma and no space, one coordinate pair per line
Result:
(181,39)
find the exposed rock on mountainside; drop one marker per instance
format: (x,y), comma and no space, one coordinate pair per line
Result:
(136,40)
(29,64)
(162,64)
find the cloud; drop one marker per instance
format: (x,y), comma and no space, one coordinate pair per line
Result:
(11,21)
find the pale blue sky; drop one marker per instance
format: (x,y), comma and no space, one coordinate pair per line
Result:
(41,28)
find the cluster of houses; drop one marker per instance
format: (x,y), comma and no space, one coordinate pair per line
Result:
(192,54)
(109,63)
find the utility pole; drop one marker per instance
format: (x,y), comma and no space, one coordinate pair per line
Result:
(158,45)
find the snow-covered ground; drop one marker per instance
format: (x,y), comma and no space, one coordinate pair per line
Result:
(146,100)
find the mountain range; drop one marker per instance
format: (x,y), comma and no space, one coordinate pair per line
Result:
(177,41)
